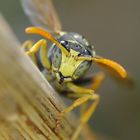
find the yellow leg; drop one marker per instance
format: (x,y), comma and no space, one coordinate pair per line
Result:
(76,103)
(36,46)
(42,45)
(84,96)
(86,115)
(97,80)
(27,45)
(88,133)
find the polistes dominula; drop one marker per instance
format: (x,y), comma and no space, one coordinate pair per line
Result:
(67,59)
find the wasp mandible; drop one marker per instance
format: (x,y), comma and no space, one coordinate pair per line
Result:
(67,59)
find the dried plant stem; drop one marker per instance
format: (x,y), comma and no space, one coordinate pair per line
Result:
(28,105)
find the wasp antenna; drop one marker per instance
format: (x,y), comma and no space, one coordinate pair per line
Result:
(44,33)
(111,65)
(107,64)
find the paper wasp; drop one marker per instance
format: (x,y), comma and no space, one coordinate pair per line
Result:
(67,59)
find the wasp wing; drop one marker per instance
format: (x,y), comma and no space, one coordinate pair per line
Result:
(42,13)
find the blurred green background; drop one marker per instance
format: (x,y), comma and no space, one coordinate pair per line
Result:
(113,26)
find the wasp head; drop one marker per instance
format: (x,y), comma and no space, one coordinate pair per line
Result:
(67,67)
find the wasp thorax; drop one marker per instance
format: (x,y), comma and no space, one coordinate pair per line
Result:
(68,67)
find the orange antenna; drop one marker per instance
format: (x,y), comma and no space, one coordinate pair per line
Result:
(112,65)
(107,64)
(42,32)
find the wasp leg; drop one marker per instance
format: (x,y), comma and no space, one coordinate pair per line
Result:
(86,115)
(97,79)
(42,45)
(27,45)
(84,96)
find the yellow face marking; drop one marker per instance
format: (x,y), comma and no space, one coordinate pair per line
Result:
(69,64)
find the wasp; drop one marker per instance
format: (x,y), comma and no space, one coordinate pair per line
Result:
(66,60)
